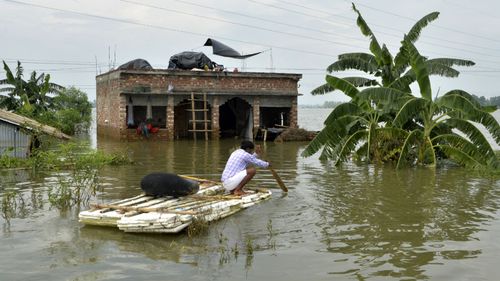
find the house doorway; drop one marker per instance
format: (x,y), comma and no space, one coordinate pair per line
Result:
(236,119)
(183,120)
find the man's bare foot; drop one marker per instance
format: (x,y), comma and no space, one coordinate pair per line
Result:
(240,193)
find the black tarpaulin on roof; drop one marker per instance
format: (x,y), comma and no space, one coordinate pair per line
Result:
(190,60)
(137,64)
(221,49)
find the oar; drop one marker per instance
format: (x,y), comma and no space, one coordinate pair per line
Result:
(278,180)
(275,175)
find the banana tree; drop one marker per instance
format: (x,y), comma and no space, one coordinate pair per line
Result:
(13,88)
(443,125)
(40,92)
(31,96)
(363,127)
(393,73)
(356,128)
(365,135)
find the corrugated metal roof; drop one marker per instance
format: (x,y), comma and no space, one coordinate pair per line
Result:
(31,124)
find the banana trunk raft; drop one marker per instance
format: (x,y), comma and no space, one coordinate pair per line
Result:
(149,214)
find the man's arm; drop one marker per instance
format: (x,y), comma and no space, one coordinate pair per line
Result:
(253,158)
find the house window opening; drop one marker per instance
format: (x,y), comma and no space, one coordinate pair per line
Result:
(159,117)
(274,117)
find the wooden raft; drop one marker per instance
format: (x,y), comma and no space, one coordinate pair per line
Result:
(167,214)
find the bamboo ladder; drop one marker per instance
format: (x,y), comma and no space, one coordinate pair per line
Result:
(205,119)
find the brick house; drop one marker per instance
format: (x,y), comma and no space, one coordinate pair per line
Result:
(190,104)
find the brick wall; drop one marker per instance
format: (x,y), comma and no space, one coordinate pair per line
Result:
(112,88)
(131,135)
(170,117)
(192,81)
(294,115)
(256,113)
(215,118)
(110,106)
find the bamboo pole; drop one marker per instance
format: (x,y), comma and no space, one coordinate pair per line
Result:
(200,180)
(193,115)
(205,111)
(142,209)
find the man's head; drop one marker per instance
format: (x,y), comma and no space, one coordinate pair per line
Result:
(247,145)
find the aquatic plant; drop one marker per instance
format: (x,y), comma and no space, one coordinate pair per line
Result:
(9,204)
(198,226)
(271,242)
(64,155)
(78,169)
(249,245)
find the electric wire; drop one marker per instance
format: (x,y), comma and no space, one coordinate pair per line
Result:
(167,28)
(240,24)
(438,26)
(182,31)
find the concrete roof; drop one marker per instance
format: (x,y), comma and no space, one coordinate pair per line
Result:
(31,124)
(178,72)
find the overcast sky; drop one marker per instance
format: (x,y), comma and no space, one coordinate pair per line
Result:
(74,39)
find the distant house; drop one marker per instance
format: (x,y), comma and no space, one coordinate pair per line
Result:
(190,104)
(16,134)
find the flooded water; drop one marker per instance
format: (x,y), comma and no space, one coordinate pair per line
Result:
(348,223)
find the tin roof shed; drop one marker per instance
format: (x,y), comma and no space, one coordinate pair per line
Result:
(16,136)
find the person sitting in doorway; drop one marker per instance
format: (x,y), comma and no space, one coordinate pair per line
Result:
(143,129)
(239,169)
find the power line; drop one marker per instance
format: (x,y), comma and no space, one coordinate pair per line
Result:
(136,23)
(166,28)
(287,33)
(471,8)
(92,68)
(91,65)
(187,32)
(302,13)
(265,19)
(58,62)
(390,34)
(320,31)
(372,24)
(438,26)
(240,24)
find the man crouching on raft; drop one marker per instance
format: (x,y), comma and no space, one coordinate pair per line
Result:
(240,168)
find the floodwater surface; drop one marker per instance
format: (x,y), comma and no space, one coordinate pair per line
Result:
(336,223)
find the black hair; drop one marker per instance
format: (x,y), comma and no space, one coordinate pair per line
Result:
(246,144)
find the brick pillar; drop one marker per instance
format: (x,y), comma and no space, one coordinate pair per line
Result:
(215,118)
(256,114)
(122,117)
(293,114)
(170,118)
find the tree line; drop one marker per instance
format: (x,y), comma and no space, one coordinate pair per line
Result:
(40,99)
(488,101)
(326,104)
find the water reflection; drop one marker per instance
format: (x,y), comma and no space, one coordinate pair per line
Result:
(380,222)
(349,222)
